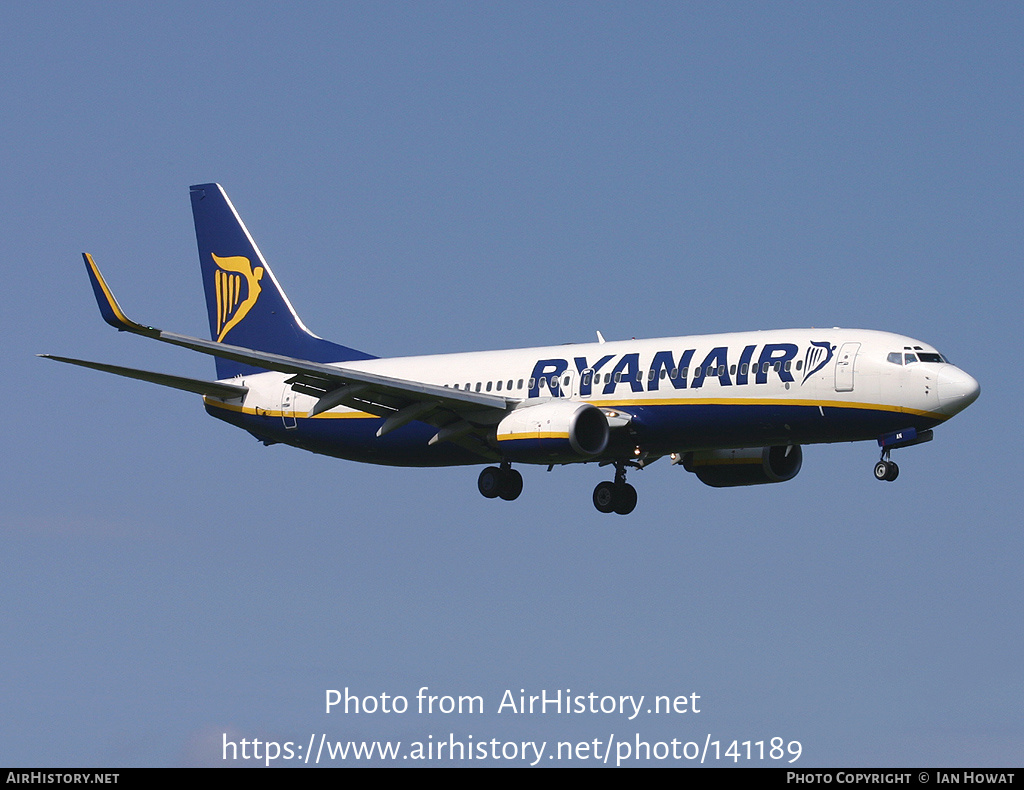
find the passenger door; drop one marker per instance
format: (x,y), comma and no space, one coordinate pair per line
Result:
(845,363)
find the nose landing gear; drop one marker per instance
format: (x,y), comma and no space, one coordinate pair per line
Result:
(886,470)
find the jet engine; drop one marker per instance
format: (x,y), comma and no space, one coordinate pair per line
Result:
(553,431)
(749,466)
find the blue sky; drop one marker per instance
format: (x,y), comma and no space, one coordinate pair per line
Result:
(445,177)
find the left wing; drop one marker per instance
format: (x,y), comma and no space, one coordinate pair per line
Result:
(458,414)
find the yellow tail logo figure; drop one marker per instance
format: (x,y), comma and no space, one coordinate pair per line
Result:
(231,308)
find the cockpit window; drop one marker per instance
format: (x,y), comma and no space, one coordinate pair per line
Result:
(898,358)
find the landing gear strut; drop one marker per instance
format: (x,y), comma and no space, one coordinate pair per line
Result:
(616,496)
(504,482)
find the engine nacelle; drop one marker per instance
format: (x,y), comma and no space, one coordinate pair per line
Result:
(553,431)
(750,466)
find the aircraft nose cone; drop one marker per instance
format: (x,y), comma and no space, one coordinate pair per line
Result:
(957,390)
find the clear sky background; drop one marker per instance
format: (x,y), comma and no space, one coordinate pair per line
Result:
(440,177)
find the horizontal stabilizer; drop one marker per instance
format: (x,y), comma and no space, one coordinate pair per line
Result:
(213,388)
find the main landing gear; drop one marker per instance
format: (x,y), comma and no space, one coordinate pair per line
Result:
(504,482)
(616,496)
(611,496)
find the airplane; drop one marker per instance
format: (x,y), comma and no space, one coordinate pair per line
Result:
(734,409)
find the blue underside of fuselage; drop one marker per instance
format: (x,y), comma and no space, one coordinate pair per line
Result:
(658,430)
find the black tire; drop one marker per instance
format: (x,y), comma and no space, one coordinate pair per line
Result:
(893,473)
(625,499)
(604,497)
(882,470)
(511,485)
(489,482)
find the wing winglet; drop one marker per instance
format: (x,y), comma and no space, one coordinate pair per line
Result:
(109,308)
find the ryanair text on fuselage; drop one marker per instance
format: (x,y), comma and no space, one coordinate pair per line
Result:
(605,375)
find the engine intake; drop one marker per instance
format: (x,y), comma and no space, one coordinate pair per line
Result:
(553,431)
(749,466)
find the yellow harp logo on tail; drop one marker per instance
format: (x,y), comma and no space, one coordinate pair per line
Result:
(232,273)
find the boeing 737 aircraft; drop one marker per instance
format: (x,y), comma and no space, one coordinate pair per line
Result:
(734,409)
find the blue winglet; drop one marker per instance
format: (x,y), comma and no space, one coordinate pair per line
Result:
(109,308)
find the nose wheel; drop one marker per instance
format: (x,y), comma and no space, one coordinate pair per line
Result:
(616,496)
(886,470)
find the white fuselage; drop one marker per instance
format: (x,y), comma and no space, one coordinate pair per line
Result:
(792,385)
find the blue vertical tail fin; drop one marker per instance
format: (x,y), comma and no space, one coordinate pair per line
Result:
(246,304)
